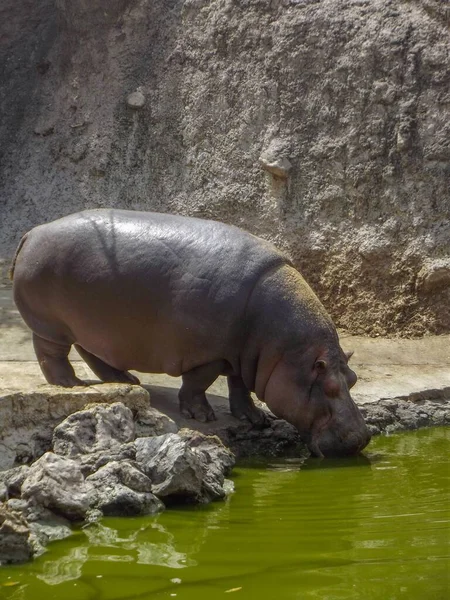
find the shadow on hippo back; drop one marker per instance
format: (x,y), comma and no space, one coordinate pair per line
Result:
(160,293)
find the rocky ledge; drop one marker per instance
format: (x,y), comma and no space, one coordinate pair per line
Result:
(80,454)
(99,464)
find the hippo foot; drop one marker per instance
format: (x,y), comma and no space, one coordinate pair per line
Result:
(199,414)
(257,417)
(200,411)
(133,379)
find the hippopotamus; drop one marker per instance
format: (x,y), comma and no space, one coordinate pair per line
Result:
(160,293)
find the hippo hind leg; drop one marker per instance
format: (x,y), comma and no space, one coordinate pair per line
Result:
(54,362)
(104,371)
(242,405)
(193,402)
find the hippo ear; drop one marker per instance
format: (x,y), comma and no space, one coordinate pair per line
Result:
(349,354)
(320,366)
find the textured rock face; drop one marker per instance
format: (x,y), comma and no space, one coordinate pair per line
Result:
(27,420)
(95,429)
(57,483)
(152,422)
(98,464)
(123,490)
(98,469)
(188,467)
(15,537)
(320,125)
(389,416)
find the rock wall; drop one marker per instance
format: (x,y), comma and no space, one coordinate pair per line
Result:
(320,125)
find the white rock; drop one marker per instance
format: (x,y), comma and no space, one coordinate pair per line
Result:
(15,540)
(57,483)
(150,421)
(96,428)
(136,100)
(189,466)
(123,489)
(274,160)
(434,274)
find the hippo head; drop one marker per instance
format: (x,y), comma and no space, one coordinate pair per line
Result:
(312,393)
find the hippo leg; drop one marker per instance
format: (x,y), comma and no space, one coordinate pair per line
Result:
(104,371)
(55,365)
(242,405)
(193,402)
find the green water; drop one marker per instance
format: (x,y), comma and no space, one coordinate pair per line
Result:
(347,529)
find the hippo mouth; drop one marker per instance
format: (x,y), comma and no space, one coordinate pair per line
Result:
(328,444)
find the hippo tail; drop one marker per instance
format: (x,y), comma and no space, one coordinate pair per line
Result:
(13,264)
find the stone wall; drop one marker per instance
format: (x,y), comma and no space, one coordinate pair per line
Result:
(322,125)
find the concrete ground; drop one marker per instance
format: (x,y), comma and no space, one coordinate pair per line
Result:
(386,368)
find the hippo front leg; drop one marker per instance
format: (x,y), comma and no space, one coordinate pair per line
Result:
(242,405)
(193,402)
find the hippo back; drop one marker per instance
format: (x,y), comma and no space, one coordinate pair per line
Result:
(149,291)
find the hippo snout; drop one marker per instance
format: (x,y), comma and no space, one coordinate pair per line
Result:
(330,443)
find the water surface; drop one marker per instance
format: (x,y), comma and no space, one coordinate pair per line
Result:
(375,527)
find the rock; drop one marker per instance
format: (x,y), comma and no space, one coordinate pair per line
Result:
(188,467)
(124,490)
(410,416)
(434,275)
(44,129)
(52,529)
(96,428)
(388,416)
(16,544)
(210,445)
(279,439)
(228,486)
(151,422)
(373,245)
(18,505)
(13,479)
(274,160)
(28,417)
(3,492)
(57,483)
(136,100)
(92,462)
(377,418)
(217,462)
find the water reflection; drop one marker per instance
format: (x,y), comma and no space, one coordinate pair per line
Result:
(353,528)
(66,568)
(105,543)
